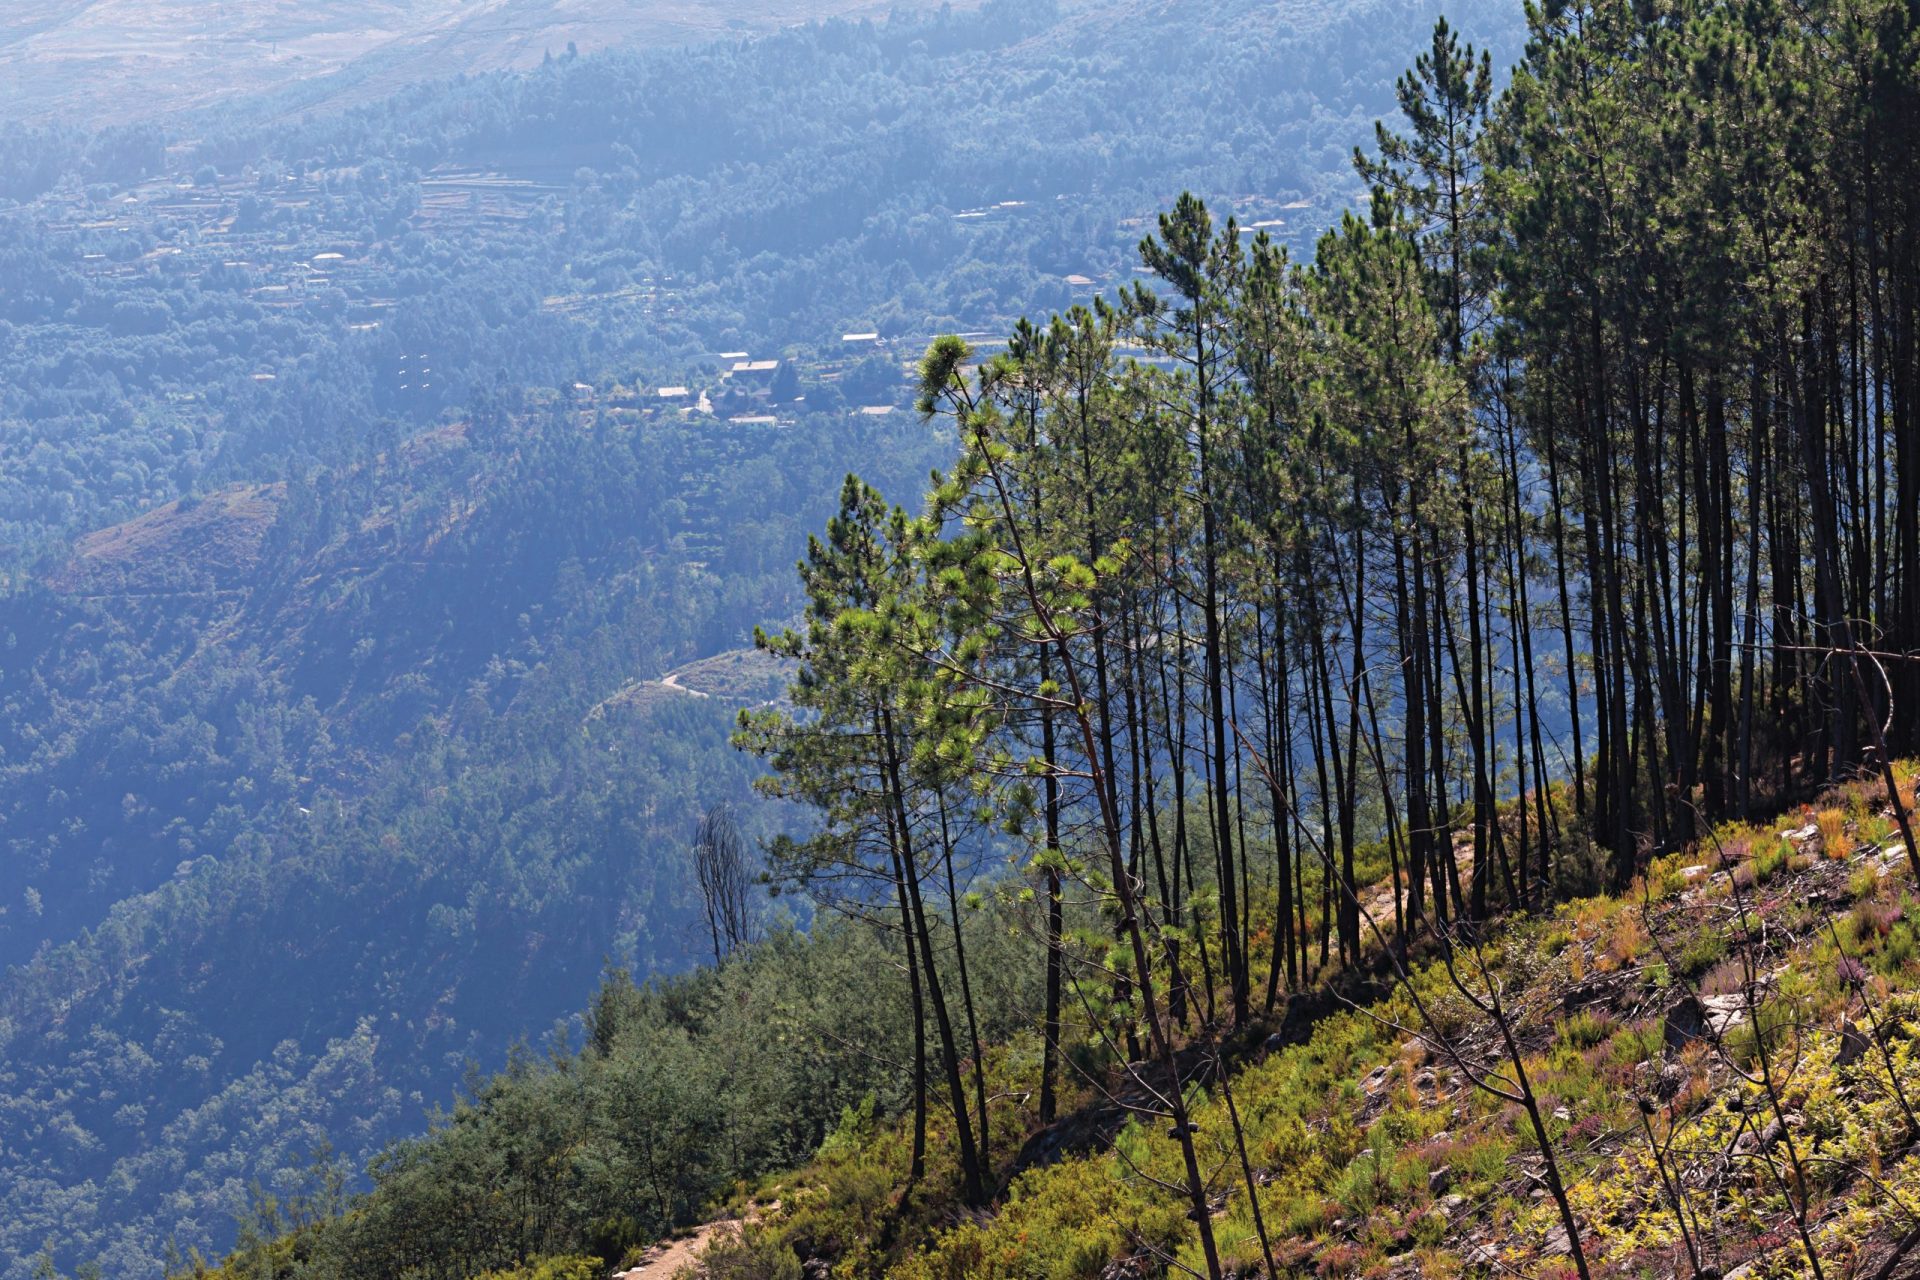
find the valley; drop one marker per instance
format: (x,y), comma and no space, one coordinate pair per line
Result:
(1008,625)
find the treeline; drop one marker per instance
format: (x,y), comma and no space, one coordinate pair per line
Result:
(1604,409)
(35,160)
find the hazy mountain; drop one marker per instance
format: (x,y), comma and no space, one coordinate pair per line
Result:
(82,61)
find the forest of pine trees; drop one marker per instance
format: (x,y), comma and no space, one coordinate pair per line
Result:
(1565,505)
(1281,633)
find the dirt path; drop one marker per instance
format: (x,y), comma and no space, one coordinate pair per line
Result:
(672,681)
(664,1261)
(1379,902)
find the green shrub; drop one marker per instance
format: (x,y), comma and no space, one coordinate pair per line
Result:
(736,1255)
(565,1268)
(1585,1029)
(1701,954)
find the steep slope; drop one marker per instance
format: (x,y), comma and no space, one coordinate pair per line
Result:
(306,808)
(1722,1058)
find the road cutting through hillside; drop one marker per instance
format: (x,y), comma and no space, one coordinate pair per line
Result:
(672,681)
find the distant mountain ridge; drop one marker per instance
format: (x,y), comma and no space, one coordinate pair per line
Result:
(80,61)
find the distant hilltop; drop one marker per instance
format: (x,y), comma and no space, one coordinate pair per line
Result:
(81,61)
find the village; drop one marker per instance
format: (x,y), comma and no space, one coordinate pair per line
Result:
(298,242)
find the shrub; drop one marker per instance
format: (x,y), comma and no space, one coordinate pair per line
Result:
(1899,948)
(1864,882)
(1768,862)
(1833,833)
(1585,1029)
(1703,952)
(565,1268)
(736,1255)
(1627,940)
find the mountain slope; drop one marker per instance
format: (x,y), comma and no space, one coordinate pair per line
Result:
(1728,1046)
(77,61)
(310,759)
(319,795)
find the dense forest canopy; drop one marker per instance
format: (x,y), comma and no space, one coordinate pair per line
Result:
(364,476)
(1231,626)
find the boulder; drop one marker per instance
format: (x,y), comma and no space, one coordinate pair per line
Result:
(1853,1045)
(1702,1018)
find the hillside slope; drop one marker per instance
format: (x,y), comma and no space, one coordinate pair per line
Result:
(312,591)
(304,809)
(1220,665)
(78,61)
(1724,1058)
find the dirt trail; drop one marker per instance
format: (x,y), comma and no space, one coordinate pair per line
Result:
(664,1261)
(672,681)
(1378,902)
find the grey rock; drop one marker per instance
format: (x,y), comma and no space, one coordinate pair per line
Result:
(1705,1017)
(1853,1046)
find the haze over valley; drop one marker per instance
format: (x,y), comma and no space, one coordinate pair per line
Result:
(817,638)
(81,61)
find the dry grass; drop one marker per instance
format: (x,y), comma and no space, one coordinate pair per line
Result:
(193,543)
(1834,840)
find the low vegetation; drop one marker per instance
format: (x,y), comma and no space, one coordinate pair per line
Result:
(1701,1118)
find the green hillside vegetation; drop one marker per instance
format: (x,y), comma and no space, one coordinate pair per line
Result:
(1689,1141)
(347,541)
(307,808)
(1768,975)
(1309,753)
